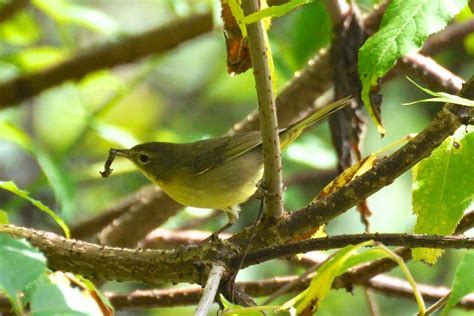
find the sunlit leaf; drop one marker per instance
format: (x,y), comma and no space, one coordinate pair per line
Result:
(70,12)
(441,97)
(36,58)
(20,30)
(235,310)
(235,33)
(363,257)
(3,217)
(101,300)
(349,174)
(15,135)
(115,134)
(311,298)
(442,189)
(58,297)
(20,265)
(10,186)
(463,283)
(274,11)
(405,26)
(238,14)
(60,180)
(346,258)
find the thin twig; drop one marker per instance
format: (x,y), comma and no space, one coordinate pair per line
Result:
(331,242)
(452,33)
(210,290)
(371,302)
(272,176)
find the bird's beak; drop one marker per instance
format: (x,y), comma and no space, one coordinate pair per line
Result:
(120,152)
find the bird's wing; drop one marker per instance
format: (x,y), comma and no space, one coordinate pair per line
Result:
(214,152)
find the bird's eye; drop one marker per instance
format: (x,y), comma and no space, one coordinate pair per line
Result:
(144,158)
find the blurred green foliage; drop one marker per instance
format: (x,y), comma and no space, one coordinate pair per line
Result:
(181,96)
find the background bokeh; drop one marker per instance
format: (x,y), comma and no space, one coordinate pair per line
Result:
(183,95)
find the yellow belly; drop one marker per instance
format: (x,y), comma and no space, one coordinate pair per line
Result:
(222,187)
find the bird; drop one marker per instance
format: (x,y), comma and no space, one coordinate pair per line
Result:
(216,173)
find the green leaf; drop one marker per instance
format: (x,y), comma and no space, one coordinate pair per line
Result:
(343,260)
(67,12)
(10,186)
(60,298)
(366,256)
(114,134)
(36,58)
(441,97)
(20,265)
(233,309)
(60,181)
(442,189)
(321,283)
(238,14)
(463,283)
(15,135)
(93,289)
(21,30)
(3,217)
(405,26)
(274,11)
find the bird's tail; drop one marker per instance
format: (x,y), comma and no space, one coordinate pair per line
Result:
(289,134)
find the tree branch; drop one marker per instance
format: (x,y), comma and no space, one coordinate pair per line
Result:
(331,242)
(112,54)
(272,176)
(427,70)
(452,33)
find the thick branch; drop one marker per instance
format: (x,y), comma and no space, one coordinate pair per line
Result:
(112,54)
(107,263)
(272,176)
